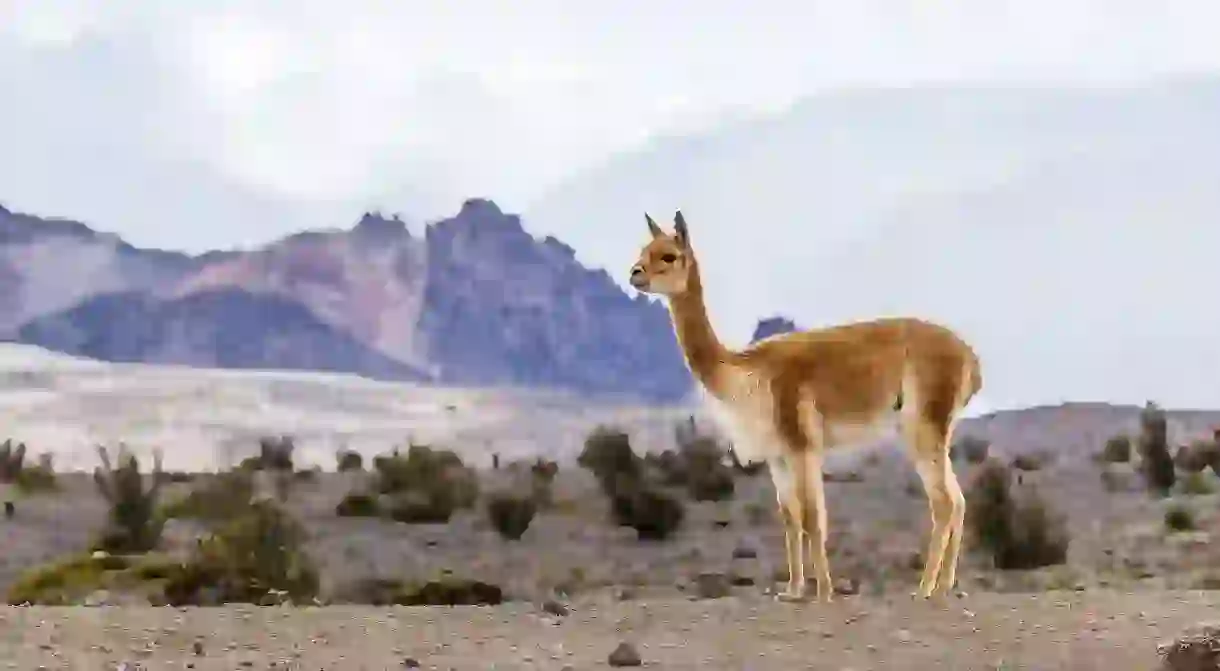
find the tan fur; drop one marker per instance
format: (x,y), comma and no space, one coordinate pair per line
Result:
(790,398)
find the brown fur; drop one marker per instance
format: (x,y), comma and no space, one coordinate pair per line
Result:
(809,391)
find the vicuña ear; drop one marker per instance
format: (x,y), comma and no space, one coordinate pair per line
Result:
(680,229)
(653,228)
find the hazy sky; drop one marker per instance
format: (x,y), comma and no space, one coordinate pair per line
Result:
(221,123)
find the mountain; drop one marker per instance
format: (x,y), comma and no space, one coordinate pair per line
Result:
(475,301)
(772,326)
(1069,233)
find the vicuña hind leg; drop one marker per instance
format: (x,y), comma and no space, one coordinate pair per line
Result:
(791,510)
(945,501)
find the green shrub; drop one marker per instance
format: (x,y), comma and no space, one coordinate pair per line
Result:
(217,497)
(349,460)
(423,471)
(1179,518)
(1156,464)
(256,558)
(133,525)
(1117,449)
(1197,456)
(358,504)
(970,448)
(607,454)
(511,515)
(1196,484)
(653,514)
(432,506)
(1018,532)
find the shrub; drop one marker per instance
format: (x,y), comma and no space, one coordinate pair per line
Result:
(65,582)
(349,460)
(608,455)
(257,558)
(1018,532)
(542,477)
(708,478)
(1117,449)
(511,515)
(424,471)
(133,526)
(1028,462)
(358,504)
(652,513)
(1196,484)
(38,478)
(433,506)
(218,497)
(447,590)
(751,469)
(1197,456)
(1156,464)
(274,454)
(1179,518)
(974,450)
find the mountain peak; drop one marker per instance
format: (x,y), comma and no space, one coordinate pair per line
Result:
(770,326)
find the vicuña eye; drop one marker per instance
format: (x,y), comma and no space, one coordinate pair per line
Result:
(668,258)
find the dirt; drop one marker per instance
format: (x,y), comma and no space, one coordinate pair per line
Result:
(1058,630)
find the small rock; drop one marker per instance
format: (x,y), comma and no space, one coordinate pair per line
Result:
(712,585)
(410,663)
(744,552)
(846,586)
(553,607)
(625,655)
(197,648)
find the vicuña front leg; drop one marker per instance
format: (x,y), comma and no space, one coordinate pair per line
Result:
(815,522)
(791,513)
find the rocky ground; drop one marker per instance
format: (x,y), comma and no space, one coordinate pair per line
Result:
(1056,630)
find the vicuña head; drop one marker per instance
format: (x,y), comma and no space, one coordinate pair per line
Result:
(667,263)
(789,398)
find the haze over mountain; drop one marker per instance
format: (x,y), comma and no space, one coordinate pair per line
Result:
(1069,233)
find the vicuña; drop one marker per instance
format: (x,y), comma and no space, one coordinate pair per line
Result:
(790,398)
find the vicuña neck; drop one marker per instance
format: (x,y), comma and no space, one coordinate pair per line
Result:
(703,350)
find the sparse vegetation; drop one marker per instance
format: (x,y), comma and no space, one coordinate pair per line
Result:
(635,501)
(1018,531)
(1156,464)
(511,514)
(348,460)
(1117,449)
(972,449)
(1179,518)
(134,526)
(425,486)
(217,496)
(257,557)
(358,504)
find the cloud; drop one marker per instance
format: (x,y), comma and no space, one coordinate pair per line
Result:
(313,108)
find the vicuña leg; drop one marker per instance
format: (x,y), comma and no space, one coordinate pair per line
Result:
(814,521)
(957,523)
(791,510)
(945,501)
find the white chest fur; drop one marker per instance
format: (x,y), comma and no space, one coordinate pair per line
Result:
(746,413)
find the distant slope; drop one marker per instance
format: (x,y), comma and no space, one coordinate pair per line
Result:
(223,328)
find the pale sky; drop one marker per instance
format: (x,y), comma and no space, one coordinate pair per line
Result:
(212,124)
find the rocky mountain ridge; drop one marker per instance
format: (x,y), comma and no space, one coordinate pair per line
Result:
(476,300)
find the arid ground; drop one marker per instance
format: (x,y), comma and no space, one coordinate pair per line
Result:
(1138,567)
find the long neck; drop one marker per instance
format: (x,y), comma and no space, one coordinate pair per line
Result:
(703,350)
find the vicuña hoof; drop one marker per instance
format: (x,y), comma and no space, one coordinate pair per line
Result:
(791,596)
